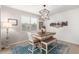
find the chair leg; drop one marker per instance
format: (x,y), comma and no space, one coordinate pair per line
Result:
(33,50)
(46,49)
(40,50)
(40,47)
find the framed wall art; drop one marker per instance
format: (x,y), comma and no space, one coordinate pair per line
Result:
(14,22)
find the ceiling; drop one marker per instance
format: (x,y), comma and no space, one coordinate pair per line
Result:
(35,8)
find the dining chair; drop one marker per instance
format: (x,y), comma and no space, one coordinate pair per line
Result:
(33,42)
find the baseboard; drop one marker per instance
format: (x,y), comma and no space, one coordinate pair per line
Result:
(17,42)
(70,42)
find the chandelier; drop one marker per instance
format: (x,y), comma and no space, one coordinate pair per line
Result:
(44,13)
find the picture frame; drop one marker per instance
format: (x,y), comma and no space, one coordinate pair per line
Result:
(14,22)
(59,24)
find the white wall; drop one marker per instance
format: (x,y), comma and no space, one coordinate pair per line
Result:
(68,33)
(0,27)
(15,34)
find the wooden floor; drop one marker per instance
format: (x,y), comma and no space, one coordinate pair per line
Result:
(73,48)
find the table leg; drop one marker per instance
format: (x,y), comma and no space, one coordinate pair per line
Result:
(46,49)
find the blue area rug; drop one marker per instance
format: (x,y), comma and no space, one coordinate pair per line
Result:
(60,49)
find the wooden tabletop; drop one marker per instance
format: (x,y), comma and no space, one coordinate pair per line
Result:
(49,40)
(44,34)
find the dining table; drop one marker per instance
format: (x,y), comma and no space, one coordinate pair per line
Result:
(45,40)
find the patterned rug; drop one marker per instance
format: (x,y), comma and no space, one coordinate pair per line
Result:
(59,49)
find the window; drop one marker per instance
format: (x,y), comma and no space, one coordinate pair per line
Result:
(33,23)
(29,23)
